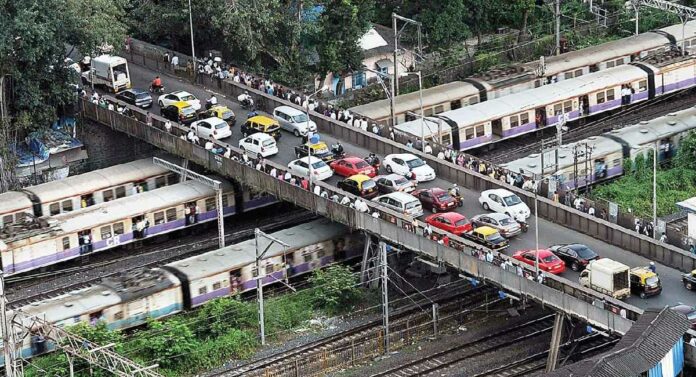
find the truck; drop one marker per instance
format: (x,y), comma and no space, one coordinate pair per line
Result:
(608,277)
(108,71)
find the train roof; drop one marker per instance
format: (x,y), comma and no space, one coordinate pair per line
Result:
(132,285)
(13,201)
(428,129)
(647,132)
(74,304)
(601,146)
(688,30)
(543,95)
(411,102)
(243,253)
(96,180)
(130,206)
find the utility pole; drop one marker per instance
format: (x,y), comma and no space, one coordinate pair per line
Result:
(7,332)
(385,295)
(395,79)
(193,50)
(259,276)
(558,27)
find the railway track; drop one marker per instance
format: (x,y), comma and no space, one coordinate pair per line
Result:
(512,149)
(19,295)
(325,354)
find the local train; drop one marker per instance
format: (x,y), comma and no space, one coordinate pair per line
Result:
(598,158)
(128,299)
(119,222)
(504,81)
(84,190)
(563,102)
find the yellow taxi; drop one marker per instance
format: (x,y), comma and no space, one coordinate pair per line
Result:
(179,111)
(261,123)
(487,236)
(360,185)
(644,282)
(318,150)
(219,111)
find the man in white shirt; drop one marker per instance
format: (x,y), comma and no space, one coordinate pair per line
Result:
(428,149)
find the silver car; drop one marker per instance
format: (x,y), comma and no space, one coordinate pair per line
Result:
(504,224)
(293,120)
(393,183)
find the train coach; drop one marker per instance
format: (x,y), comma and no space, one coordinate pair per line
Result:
(127,300)
(601,157)
(84,190)
(563,102)
(500,82)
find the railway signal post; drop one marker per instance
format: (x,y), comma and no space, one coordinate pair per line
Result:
(259,275)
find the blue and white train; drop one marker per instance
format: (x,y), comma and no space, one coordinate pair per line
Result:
(127,300)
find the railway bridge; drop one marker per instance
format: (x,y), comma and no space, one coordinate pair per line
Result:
(556,292)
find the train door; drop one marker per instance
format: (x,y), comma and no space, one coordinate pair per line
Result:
(584,105)
(497,127)
(191,211)
(665,150)
(95,317)
(600,169)
(140,186)
(140,225)
(235,282)
(86,200)
(85,241)
(540,117)
(594,68)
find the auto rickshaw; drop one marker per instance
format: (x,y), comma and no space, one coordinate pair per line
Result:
(644,282)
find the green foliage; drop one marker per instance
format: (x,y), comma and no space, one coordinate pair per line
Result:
(235,343)
(444,22)
(335,289)
(220,316)
(168,343)
(288,311)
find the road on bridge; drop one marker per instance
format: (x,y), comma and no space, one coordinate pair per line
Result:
(549,233)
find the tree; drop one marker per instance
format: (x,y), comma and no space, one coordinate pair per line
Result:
(341,26)
(220,316)
(335,288)
(167,343)
(444,22)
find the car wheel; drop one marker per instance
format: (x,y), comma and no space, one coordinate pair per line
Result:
(486,207)
(160,103)
(389,169)
(643,295)
(688,285)
(297,133)
(575,266)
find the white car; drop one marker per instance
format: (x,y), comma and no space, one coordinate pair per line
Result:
(410,166)
(401,202)
(259,144)
(180,95)
(320,170)
(293,120)
(211,128)
(504,201)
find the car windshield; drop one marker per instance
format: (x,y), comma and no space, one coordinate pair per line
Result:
(444,197)
(400,181)
(583,251)
(461,222)
(416,162)
(411,205)
(318,165)
(221,125)
(188,97)
(320,149)
(361,165)
(495,237)
(506,221)
(227,114)
(652,281)
(368,185)
(188,111)
(268,143)
(691,316)
(142,96)
(549,259)
(512,200)
(299,118)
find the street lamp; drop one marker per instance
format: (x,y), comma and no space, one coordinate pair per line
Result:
(389,93)
(309,149)
(259,278)
(193,51)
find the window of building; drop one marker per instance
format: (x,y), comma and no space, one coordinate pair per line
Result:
(642,85)
(210,204)
(578,73)
(7,219)
(202,290)
(118,229)
(439,109)
(610,95)
(108,195)
(568,75)
(66,243)
(480,130)
(254,272)
(473,100)
(105,232)
(514,121)
(600,97)
(120,192)
(524,118)
(54,208)
(358,80)
(171,214)
(159,217)
(160,181)
(610,64)
(428,112)
(567,106)
(67,205)
(456,104)
(19,216)
(469,133)
(217,286)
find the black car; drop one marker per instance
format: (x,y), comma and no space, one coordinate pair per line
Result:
(575,255)
(319,150)
(136,97)
(184,115)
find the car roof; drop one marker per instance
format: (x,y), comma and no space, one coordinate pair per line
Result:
(436,190)
(220,108)
(352,159)
(486,230)
(289,110)
(452,215)
(262,136)
(213,120)
(181,104)
(317,144)
(311,159)
(499,192)
(496,215)
(136,91)
(182,93)
(262,119)
(401,196)
(643,272)
(360,178)
(392,176)
(403,156)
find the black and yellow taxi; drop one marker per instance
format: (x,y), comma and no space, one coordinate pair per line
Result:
(644,282)
(221,112)
(487,236)
(360,185)
(179,111)
(261,123)
(318,150)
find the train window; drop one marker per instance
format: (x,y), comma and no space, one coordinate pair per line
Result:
(321,253)
(269,269)
(217,286)
(67,205)
(616,162)
(537,83)
(557,108)
(619,62)
(610,95)
(105,232)
(307,256)
(456,104)
(469,133)
(173,179)
(7,219)
(642,85)
(202,290)
(480,130)
(66,243)
(118,229)
(567,106)
(409,117)
(54,208)
(171,214)
(610,64)
(439,109)
(108,195)
(514,121)
(524,118)
(568,75)
(118,316)
(160,181)
(120,192)
(473,100)
(159,217)
(254,272)
(428,112)
(225,202)
(210,204)
(578,73)
(600,97)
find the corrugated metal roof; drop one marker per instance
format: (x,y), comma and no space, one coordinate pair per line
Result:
(13,201)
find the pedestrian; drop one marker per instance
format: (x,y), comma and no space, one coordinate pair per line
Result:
(441,155)
(304,183)
(591,211)
(391,135)
(287,176)
(209,145)
(652,267)
(445,240)
(317,190)
(663,238)
(427,230)
(540,278)
(168,126)
(428,149)
(273,172)
(692,249)
(175,62)
(637,225)
(409,144)
(345,201)
(148,120)
(375,129)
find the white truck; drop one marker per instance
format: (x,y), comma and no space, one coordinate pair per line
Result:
(109,71)
(607,276)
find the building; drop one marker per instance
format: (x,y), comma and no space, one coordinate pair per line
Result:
(378,50)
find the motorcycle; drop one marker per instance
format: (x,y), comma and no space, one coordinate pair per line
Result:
(248,104)
(158,89)
(338,153)
(458,199)
(523,225)
(373,161)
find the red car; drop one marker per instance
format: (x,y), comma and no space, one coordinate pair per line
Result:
(350,166)
(548,261)
(435,199)
(453,222)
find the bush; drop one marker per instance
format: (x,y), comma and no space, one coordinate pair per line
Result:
(168,343)
(287,311)
(220,316)
(335,289)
